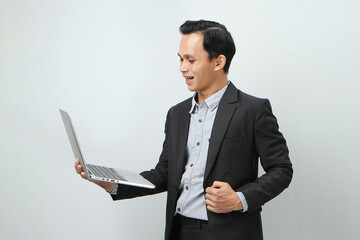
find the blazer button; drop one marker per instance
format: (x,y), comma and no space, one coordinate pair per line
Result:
(198,144)
(179,209)
(186,188)
(191,165)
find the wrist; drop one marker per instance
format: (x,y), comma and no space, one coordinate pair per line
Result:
(107,186)
(110,187)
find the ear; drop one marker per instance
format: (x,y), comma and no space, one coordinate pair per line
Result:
(220,62)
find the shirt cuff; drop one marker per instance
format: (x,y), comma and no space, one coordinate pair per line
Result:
(114,191)
(243,201)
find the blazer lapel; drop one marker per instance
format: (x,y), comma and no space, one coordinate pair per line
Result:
(182,136)
(224,114)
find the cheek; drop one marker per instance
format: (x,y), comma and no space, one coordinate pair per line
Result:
(198,71)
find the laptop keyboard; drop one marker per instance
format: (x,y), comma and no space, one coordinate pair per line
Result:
(105,172)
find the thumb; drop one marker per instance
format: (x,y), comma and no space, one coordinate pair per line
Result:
(218,184)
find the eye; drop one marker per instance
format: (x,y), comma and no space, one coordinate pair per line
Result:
(181,59)
(191,61)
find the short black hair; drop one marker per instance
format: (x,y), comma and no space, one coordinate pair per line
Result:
(217,39)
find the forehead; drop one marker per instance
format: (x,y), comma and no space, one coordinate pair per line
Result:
(192,44)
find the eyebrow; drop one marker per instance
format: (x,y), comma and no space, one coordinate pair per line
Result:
(186,55)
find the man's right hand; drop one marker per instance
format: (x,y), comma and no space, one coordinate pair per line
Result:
(108,186)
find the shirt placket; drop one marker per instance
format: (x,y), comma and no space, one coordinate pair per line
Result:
(198,116)
(202,124)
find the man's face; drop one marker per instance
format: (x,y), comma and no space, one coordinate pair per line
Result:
(195,65)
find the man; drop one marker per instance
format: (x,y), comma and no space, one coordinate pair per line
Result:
(209,162)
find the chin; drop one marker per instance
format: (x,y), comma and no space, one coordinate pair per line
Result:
(191,88)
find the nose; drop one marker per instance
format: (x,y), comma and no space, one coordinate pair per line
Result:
(184,67)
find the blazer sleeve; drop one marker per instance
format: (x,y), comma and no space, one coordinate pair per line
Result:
(157,176)
(274,157)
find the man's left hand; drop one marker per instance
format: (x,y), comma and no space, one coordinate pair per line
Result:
(221,198)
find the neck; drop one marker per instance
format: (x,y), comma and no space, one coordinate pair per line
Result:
(215,87)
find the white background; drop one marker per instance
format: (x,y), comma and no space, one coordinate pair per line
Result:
(114,66)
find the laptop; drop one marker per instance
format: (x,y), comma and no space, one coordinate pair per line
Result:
(106,174)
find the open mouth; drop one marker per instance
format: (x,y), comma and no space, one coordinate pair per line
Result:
(189,79)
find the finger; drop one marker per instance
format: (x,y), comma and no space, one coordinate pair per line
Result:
(215,192)
(209,197)
(209,203)
(208,190)
(217,209)
(213,198)
(212,191)
(79,169)
(218,184)
(212,209)
(83,175)
(76,164)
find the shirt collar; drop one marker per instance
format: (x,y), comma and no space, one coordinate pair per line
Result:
(212,102)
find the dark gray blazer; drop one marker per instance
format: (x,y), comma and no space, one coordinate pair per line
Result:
(244,130)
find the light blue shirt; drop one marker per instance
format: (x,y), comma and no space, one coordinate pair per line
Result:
(191,202)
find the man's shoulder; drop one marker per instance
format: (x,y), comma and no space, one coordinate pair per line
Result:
(244,98)
(182,106)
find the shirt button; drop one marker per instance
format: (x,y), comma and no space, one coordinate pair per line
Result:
(200,120)
(191,165)
(179,209)
(198,144)
(186,188)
